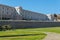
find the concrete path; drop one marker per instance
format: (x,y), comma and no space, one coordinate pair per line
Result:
(52,36)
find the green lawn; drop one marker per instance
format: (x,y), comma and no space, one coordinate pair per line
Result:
(50,29)
(27,34)
(21,34)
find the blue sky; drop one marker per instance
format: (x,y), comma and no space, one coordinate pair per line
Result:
(42,6)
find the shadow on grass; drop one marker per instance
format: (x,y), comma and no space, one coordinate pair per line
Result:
(21,35)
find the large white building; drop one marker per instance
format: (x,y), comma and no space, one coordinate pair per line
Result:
(30,15)
(18,13)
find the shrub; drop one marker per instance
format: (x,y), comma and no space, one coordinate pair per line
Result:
(6,27)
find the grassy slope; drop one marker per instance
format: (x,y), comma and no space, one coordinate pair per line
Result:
(22,34)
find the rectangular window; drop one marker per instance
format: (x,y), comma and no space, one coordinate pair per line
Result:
(7,12)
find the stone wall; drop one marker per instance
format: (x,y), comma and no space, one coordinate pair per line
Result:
(29,24)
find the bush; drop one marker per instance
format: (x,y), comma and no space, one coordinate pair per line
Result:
(6,27)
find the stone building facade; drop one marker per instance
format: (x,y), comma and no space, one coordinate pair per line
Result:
(8,13)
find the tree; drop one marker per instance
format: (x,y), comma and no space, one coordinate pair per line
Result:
(55,16)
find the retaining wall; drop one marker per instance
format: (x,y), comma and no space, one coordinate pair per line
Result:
(29,24)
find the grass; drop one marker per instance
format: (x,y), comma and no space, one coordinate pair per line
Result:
(27,34)
(21,34)
(50,29)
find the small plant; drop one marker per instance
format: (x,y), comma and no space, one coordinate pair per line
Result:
(6,27)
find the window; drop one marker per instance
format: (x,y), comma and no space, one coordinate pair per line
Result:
(2,7)
(7,8)
(5,18)
(7,12)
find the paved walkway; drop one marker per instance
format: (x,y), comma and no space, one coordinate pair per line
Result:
(52,36)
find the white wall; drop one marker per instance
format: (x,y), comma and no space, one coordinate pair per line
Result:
(29,15)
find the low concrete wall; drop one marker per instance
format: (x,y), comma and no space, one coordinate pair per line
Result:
(29,24)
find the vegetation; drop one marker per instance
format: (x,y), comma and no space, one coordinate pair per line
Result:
(5,27)
(27,34)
